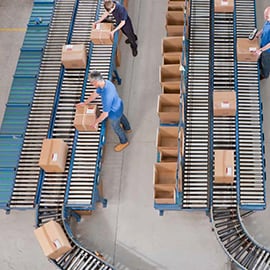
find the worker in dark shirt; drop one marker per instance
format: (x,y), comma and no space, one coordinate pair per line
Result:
(264,51)
(123,22)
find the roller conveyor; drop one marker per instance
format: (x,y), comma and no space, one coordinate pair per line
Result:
(196,129)
(25,188)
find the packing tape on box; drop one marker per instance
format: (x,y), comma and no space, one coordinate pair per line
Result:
(224,3)
(229,171)
(57,243)
(54,156)
(225,104)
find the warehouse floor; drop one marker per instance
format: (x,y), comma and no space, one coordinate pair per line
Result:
(129,232)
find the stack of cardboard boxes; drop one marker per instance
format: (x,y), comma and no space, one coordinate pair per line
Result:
(168,108)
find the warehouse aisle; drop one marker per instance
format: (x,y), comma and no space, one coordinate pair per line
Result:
(129,232)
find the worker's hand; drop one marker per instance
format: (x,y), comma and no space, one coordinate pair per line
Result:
(258,52)
(94,125)
(80,104)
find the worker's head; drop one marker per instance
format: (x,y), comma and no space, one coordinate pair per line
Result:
(267,14)
(95,78)
(109,5)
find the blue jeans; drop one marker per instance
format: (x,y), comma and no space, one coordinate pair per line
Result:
(264,62)
(120,132)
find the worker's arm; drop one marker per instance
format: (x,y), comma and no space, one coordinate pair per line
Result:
(258,34)
(264,48)
(101,19)
(118,27)
(92,97)
(103,116)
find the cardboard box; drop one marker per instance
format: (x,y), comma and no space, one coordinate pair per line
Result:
(171,45)
(171,58)
(165,174)
(224,103)
(118,57)
(52,239)
(176,5)
(174,18)
(246,48)
(85,116)
(74,56)
(170,75)
(168,108)
(168,155)
(224,166)
(182,141)
(164,194)
(168,88)
(175,30)
(53,155)
(102,34)
(167,138)
(224,6)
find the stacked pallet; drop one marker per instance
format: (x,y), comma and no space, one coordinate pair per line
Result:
(170,108)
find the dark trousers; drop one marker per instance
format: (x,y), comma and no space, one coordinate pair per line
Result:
(264,63)
(128,31)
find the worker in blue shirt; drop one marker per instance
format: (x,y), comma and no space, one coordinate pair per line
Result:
(264,51)
(112,108)
(123,22)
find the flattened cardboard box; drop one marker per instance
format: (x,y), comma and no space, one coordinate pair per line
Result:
(224,166)
(74,56)
(102,34)
(52,239)
(224,6)
(246,48)
(85,116)
(53,155)
(224,103)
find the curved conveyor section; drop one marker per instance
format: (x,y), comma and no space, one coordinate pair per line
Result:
(247,191)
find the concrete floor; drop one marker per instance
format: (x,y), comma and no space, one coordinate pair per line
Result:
(129,232)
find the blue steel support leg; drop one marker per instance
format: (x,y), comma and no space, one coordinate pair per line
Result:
(72,213)
(101,199)
(116,77)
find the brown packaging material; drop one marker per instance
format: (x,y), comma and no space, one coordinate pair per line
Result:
(168,88)
(85,116)
(174,18)
(224,103)
(174,30)
(53,155)
(168,108)
(164,194)
(224,166)
(176,5)
(169,75)
(224,5)
(102,34)
(169,155)
(74,56)
(167,138)
(171,49)
(52,239)
(246,48)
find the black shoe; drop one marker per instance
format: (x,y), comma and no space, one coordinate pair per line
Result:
(262,78)
(134,52)
(128,42)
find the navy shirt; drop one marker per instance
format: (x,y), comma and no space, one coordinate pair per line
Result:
(119,13)
(111,102)
(265,37)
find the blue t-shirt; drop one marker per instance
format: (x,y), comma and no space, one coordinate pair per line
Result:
(119,13)
(111,101)
(265,37)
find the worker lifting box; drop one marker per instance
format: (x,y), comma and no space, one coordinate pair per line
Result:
(85,117)
(74,56)
(224,166)
(246,50)
(224,103)
(102,34)
(224,6)
(52,239)
(53,155)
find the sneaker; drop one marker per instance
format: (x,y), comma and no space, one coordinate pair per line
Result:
(121,146)
(128,130)
(134,52)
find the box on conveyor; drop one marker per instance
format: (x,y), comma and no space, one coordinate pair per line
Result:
(168,108)
(225,6)
(74,56)
(171,49)
(53,155)
(167,138)
(168,155)
(52,239)
(176,5)
(224,166)
(246,50)
(85,116)
(224,103)
(102,34)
